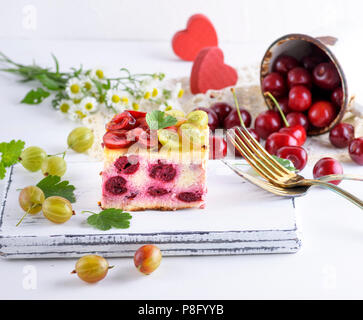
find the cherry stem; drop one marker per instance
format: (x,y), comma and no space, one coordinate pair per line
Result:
(237,107)
(26,213)
(278,108)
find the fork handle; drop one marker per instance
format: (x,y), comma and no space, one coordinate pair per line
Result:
(347,195)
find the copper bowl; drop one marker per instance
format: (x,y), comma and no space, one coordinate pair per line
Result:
(298,46)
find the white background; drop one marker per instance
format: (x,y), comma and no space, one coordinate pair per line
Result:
(330,263)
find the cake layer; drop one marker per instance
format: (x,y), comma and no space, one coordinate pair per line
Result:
(138,182)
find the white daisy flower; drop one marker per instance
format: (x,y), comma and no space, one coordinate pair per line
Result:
(88,85)
(120,100)
(151,88)
(88,105)
(177,92)
(74,88)
(74,113)
(97,74)
(65,105)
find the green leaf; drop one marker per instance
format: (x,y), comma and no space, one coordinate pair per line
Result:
(285,163)
(48,82)
(109,218)
(2,171)
(10,152)
(35,96)
(53,186)
(158,120)
(56,63)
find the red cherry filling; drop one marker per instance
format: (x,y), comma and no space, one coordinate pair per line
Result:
(121,121)
(284,63)
(297,155)
(132,195)
(341,135)
(278,140)
(163,172)
(327,166)
(157,192)
(116,185)
(116,139)
(189,196)
(127,165)
(356,150)
(321,114)
(233,120)
(267,122)
(274,83)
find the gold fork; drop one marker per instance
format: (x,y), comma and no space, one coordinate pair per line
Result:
(270,169)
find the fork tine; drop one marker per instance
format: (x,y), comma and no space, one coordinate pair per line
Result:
(254,161)
(256,146)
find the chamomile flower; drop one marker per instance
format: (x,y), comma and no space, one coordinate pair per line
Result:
(74,88)
(151,88)
(65,105)
(97,74)
(119,100)
(88,105)
(88,85)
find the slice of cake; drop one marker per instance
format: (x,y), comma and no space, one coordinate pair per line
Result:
(155,161)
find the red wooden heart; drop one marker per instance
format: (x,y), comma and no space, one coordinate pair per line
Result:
(210,72)
(199,34)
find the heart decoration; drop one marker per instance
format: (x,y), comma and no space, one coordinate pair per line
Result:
(210,72)
(200,33)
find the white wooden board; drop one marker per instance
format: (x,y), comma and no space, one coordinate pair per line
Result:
(239,219)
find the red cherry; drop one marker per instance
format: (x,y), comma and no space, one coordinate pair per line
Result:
(213,121)
(251,131)
(277,140)
(217,147)
(298,76)
(284,63)
(222,110)
(295,118)
(356,150)
(284,105)
(137,114)
(275,84)
(337,96)
(116,139)
(310,62)
(341,135)
(327,166)
(299,98)
(321,114)
(141,123)
(326,76)
(297,131)
(267,122)
(122,121)
(232,119)
(297,155)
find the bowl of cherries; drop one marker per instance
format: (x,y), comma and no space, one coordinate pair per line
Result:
(305,77)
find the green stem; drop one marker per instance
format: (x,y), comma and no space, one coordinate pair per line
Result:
(86,211)
(237,107)
(278,108)
(26,213)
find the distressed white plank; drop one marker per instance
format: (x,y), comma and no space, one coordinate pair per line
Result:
(239,219)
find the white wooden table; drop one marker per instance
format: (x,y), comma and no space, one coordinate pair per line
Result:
(328,265)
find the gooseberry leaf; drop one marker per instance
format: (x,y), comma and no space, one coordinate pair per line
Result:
(10,152)
(53,186)
(285,163)
(35,96)
(109,218)
(159,120)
